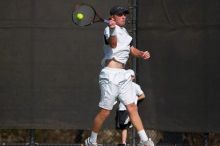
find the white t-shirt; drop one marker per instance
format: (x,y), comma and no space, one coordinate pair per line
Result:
(122,50)
(138,92)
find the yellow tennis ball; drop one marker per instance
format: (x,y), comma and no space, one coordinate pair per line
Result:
(80,16)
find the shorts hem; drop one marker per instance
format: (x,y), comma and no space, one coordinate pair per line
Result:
(105,108)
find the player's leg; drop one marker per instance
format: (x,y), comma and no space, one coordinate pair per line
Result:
(127,97)
(109,92)
(122,124)
(124,134)
(134,116)
(100,119)
(108,96)
(136,121)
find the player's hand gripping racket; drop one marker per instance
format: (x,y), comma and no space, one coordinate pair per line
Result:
(84,15)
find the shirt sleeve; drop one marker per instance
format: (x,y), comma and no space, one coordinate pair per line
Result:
(106,33)
(131,43)
(138,90)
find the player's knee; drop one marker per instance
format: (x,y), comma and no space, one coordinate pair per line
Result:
(104,113)
(131,108)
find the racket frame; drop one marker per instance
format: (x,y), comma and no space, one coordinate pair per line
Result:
(95,19)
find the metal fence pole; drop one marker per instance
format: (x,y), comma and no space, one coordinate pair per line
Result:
(133,22)
(206,139)
(31,137)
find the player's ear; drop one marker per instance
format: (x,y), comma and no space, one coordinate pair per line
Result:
(111,17)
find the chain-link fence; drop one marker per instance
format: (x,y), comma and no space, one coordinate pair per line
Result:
(106,137)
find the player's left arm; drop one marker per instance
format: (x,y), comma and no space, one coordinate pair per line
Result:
(141,97)
(139,92)
(140,54)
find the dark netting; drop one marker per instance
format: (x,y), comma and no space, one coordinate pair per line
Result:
(48,66)
(181,78)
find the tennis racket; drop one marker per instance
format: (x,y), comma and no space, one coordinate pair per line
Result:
(84,15)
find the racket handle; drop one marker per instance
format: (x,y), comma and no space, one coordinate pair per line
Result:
(106,21)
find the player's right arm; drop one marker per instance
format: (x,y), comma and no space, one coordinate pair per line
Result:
(112,40)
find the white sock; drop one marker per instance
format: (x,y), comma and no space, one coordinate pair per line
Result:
(143,136)
(93,137)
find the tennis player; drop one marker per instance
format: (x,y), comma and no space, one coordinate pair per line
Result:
(115,82)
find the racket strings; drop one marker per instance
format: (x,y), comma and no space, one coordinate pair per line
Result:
(88,15)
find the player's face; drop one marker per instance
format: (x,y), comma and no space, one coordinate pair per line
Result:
(120,19)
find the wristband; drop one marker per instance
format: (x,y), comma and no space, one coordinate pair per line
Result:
(112,31)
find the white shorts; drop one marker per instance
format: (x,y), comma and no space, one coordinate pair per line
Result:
(115,83)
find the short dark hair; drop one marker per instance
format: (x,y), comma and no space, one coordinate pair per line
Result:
(118,10)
